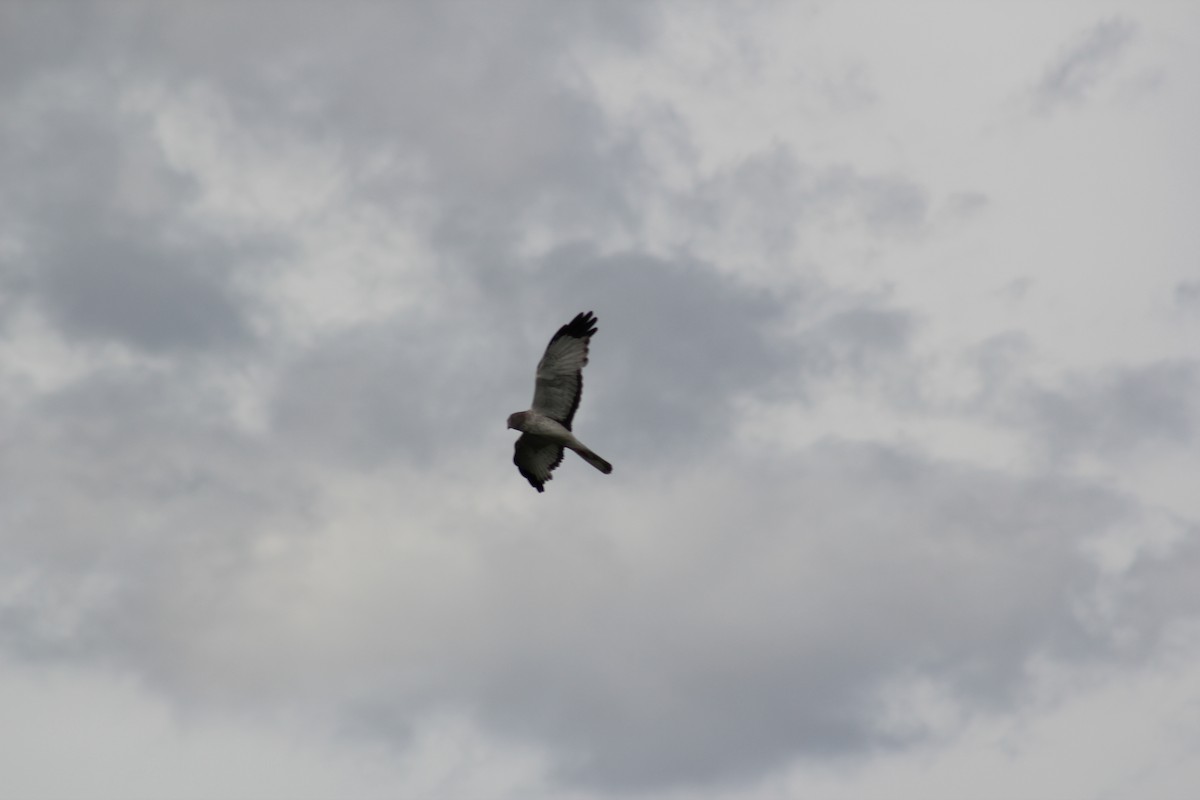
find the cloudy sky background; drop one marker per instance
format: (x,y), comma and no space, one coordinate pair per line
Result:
(898,366)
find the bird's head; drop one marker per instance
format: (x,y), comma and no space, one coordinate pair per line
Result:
(516,420)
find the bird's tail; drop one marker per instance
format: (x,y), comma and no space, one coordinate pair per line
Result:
(593,459)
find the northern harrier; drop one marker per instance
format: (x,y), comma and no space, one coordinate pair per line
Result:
(546,427)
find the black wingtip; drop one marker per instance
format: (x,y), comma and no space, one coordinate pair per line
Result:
(529,476)
(582,326)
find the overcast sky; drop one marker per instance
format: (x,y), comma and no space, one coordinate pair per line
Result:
(898,368)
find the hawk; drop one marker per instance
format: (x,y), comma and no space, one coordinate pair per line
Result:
(546,427)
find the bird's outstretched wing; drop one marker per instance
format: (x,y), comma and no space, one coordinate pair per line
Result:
(560,372)
(536,457)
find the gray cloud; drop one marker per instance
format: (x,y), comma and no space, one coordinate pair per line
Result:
(143,294)
(400,390)
(356,551)
(775,198)
(480,118)
(862,340)
(473,143)
(1072,77)
(1110,413)
(129,503)
(36,36)
(105,245)
(381,391)
(771,622)
(1187,294)
(678,343)
(1116,412)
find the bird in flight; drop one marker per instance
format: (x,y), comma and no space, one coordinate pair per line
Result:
(546,427)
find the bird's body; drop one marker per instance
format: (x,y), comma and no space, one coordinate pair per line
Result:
(546,426)
(540,425)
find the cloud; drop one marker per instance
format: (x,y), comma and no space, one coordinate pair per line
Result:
(131,499)
(773,203)
(752,611)
(1187,294)
(382,391)
(1118,412)
(273,281)
(400,389)
(860,340)
(156,298)
(104,238)
(746,616)
(1072,77)
(664,323)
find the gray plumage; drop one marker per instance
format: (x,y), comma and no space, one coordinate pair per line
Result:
(546,426)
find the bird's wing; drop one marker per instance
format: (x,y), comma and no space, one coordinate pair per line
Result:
(536,457)
(560,372)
